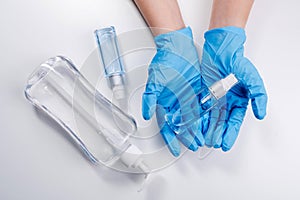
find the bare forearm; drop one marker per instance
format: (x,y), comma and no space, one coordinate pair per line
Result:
(230,13)
(161,15)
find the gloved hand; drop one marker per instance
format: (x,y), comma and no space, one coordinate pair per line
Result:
(173,78)
(223,53)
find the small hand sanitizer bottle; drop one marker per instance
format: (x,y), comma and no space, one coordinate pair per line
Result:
(112,62)
(208,98)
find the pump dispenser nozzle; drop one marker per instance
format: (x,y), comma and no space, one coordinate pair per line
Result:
(221,87)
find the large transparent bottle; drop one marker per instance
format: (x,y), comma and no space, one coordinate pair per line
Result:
(97,126)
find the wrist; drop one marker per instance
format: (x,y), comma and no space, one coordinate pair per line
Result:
(164,16)
(230,13)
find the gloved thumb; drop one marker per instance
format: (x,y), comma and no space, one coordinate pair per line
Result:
(254,83)
(148,104)
(259,106)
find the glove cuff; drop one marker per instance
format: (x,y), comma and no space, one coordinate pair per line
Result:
(174,40)
(240,32)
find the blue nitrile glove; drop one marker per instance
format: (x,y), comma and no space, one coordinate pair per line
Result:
(223,53)
(173,78)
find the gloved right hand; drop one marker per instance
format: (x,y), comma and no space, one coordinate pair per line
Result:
(174,79)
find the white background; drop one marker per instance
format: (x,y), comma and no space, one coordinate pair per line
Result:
(38,162)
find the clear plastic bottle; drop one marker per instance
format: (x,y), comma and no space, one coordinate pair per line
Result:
(112,62)
(96,125)
(208,98)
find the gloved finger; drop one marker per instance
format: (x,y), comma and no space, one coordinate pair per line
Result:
(168,135)
(148,105)
(187,139)
(220,128)
(234,123)
(196,131)
(216,127)
(249,75)
(204,124)
(183,115)
(152,91)
(213,116)
(192,126)
(170,139)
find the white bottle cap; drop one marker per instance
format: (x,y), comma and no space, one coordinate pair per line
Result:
(132,158)
(221,87)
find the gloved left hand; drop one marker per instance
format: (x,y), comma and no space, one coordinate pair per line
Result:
(223,53)
(173,79)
